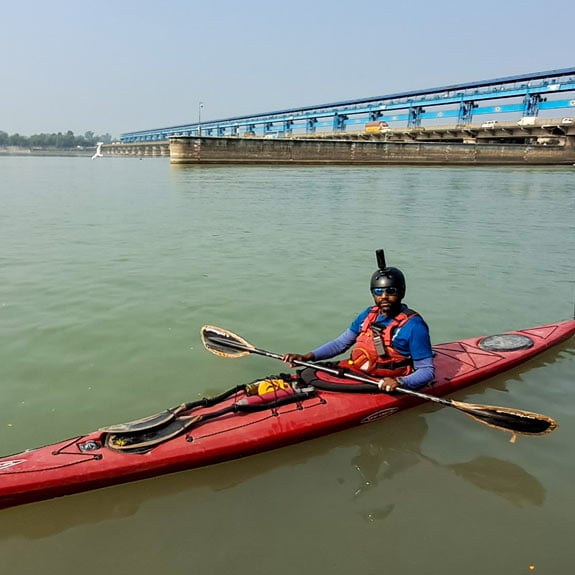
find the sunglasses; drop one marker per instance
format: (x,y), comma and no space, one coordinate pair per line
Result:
(388,290)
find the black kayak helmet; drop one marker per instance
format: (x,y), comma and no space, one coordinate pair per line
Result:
(387,276)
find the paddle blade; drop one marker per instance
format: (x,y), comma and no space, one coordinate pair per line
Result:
(150,422)
(509,419)
(224,343)
(139,425)
(151,437)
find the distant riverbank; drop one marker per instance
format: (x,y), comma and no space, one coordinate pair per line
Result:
(20,151)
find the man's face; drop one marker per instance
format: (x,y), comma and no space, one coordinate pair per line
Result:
(387,299)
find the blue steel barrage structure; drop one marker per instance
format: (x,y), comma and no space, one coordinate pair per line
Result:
(525,95)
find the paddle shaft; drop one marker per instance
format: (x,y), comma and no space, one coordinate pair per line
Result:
(508,419)
(338,373)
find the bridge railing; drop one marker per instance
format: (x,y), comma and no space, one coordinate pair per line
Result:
(525,95)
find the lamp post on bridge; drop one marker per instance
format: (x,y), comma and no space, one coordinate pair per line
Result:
(200,106)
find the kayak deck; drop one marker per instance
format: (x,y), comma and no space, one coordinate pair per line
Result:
(85,462)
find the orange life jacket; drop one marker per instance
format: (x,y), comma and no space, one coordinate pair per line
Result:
(373,353)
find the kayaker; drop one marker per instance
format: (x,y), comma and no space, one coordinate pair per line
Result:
(390,341)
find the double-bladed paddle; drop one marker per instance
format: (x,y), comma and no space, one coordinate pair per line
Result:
(230,345)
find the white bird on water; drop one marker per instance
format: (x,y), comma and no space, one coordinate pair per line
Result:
(98,153)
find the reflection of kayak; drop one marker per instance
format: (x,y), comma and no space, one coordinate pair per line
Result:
(235,424)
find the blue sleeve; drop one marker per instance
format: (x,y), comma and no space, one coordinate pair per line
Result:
(335,346)
(343,342)
(424,374)
(414,340)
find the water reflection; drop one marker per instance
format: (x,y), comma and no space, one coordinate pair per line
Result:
(503,478)
(383,456)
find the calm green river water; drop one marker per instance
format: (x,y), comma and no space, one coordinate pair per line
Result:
(109,268)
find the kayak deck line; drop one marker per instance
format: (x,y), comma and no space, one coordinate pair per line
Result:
(84,462)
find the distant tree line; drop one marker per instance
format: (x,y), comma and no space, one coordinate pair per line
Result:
(59,140)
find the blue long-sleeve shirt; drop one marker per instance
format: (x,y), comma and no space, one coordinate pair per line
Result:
(412,340)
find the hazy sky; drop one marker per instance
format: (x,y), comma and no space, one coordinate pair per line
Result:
(122,65)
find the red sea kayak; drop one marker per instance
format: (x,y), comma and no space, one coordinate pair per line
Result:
(238,424)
